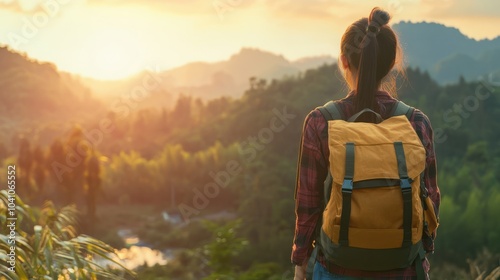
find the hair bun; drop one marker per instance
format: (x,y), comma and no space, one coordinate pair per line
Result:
(379,17)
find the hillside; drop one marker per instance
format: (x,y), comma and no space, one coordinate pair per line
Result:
(447,53)
(36,99)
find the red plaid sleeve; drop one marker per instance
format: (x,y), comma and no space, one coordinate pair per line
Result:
(312,172)
(422,126)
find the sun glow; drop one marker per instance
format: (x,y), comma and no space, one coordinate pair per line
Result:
(113,53)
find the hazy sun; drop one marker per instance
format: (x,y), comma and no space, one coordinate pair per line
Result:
(113,53)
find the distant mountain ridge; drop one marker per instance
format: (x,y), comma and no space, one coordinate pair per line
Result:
(446,53)
(242,65)
(443,51)
(229,77)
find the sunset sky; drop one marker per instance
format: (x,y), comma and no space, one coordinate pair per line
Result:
(110,39)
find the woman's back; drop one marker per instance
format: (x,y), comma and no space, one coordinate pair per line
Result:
(369,49)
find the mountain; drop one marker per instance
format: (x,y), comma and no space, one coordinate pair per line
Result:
(446,53)
(443,51)
(46,94)
(234,73)
(229,77)
(33,93)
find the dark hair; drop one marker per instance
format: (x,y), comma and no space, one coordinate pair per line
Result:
(370,47)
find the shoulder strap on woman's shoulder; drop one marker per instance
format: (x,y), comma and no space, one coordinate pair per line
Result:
(332,111)
(400,108)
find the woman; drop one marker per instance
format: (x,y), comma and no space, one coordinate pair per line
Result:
(369,52)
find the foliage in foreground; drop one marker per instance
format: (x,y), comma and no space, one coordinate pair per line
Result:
(47,245)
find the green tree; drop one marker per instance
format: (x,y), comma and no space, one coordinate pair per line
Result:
(78,149)
(61,180)
(223,248)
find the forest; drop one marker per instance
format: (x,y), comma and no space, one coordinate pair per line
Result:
(226,169)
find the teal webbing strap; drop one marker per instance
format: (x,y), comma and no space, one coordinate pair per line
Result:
(400,108)
(409,113)
(406,191)
(346,194)
(419,268)
(331,111)
(349,161)
(376,183)
(354,118)
(401,159)
(341,113)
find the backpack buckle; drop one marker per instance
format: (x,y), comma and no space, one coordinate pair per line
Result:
(405,185)
(347,186)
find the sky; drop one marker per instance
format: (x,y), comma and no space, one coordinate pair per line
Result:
(112,39)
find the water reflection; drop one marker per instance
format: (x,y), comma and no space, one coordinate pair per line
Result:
(136,256)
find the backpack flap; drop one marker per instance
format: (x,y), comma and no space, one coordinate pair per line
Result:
(374,146)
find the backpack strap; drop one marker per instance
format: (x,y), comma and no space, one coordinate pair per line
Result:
(331,111)
(405,183)
(400,108)
(419,267)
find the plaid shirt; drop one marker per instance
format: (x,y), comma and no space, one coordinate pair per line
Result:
(312,173)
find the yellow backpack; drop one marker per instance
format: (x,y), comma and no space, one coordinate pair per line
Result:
(377,206)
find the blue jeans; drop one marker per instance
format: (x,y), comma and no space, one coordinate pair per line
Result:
(320,273)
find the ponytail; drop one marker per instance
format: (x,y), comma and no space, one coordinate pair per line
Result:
(374,58)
